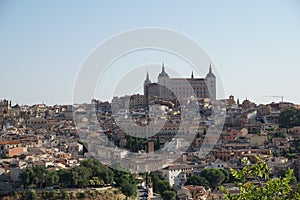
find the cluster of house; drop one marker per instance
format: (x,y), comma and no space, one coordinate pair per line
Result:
(39,134)
(249,130)
(49,136)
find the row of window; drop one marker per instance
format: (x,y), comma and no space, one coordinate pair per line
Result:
(184,83)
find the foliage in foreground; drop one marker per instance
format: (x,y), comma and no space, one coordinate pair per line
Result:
(255,183)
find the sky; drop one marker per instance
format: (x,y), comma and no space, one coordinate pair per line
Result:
(254,45)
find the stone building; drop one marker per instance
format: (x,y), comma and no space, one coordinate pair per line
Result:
(168,88)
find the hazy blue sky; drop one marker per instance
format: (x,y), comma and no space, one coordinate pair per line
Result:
(255,45)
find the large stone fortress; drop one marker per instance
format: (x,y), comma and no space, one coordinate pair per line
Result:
(168,88)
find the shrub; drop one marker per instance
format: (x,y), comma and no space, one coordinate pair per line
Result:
(32,195)
(65,195)
(53,194)
(81,195)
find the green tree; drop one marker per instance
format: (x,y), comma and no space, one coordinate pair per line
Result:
(291,155)
(297,145)
(161,186)
(154,177)
(65,178)
(264,187)
(283,172)
(53,194)
(128,189)
(169,195)
(227,175)
(275,153)
(122,177)
(32,195)
(198,180)
(27,178)
(81,195)
(52,178)
(135,144)
(81,176)
(39,175)
(99,170)
(157,144)
(65,195)
(279,134)
(215,177)
(289,118)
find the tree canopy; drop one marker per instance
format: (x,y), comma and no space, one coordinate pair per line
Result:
(161,186)
(169,195)
(289,118)
(215,177)
(90,173)
(128,189)
(197,180)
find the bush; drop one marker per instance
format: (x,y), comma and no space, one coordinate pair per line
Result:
(81,195)
(12,193)
(73,195)
(32,195)
(169,195)
(65,195)
(53,194)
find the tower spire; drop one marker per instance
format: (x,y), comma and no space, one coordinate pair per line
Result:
(210,73)
(147,81)
(163,73)
(192,76)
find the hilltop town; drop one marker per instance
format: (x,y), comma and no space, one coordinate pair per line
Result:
(47,136)
(62,139)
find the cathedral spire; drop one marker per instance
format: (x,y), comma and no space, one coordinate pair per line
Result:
(210,73)
(147,81)
(163,73)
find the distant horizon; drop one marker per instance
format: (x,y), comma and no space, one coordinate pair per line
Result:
(66,104)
